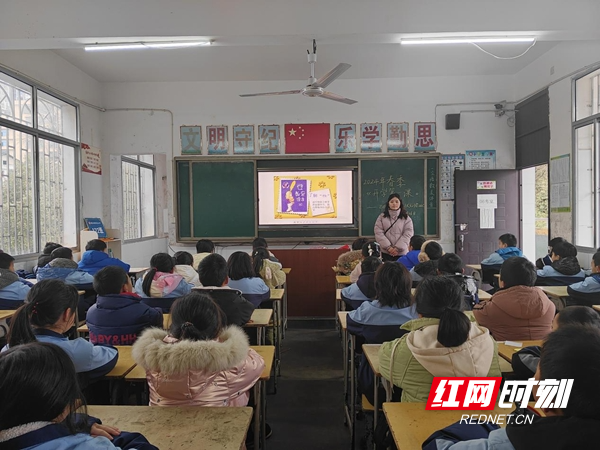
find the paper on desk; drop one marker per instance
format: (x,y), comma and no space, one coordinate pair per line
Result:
(514,344)
(320,202)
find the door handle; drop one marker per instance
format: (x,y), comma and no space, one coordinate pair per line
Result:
(462,226)
(461,242)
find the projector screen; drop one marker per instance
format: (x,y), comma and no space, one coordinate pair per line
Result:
(305,198)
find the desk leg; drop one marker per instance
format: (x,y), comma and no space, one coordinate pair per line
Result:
(345,352)
(376,405)
(257,413)
(285,310)
(352,388)
(277,332)
(263,415)
(337,309)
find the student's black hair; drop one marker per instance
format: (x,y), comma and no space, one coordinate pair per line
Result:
(5,260)
(259,242)
(50,247)
(196,317)
(433,250)
(371,249)
(571,353)
(386,210)
(39,383)
(45,303)
(596,258)
(161,262)
(450,264)
(564,249)
(517,271)
(258,256)
(205,246)
(370,264)
(110,280)
(62,252)
(184,258)
(95,244)
(393,285)
(213,270)
(509,239)
(578,315)
(417,241)
(239,265)
(359,242)
(442,298)
(556,240)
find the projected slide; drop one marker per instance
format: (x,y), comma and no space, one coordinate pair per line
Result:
(305,198)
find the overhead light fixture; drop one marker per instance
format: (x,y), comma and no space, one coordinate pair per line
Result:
(468,40)
(142,45)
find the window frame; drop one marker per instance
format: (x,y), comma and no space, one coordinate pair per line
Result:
(593,120)
(38,134)
(152,168)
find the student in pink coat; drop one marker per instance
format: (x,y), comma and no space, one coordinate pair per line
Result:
(393,229)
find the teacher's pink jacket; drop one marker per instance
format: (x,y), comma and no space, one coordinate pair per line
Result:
(397,236)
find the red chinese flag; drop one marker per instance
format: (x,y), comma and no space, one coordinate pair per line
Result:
(307,138)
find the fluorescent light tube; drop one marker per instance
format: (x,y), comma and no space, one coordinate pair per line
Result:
(142,45)
(467,40)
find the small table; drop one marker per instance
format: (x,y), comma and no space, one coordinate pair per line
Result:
(349,384)
(260,320)
(596,307)
(278,297)
(556,294)
(371,352)
(260,395)
(507,351)
(342,281)
(181,426)
(7,313)
(125,364)
(287,271)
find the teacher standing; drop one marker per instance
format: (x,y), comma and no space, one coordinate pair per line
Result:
(393,229)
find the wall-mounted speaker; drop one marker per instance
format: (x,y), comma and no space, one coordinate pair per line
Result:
(452,121)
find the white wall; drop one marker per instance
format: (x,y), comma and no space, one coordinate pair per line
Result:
(382,100)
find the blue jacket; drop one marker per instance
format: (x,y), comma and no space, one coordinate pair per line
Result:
(501,255)
(354,296)
(69,276)
(586,292)
(94,260)
(410,260)
(551,272)
(14,292)
(253,289)
(118,319)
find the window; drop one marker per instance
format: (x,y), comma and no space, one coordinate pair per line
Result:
(138,173)
(38,178)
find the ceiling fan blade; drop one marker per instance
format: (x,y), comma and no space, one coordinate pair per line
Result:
(330,76)
(337,98)
(271,93)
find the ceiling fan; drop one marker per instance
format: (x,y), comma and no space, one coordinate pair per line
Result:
(315,88)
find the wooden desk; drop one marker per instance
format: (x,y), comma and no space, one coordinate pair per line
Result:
(555,291)
(181,426)
(261,318)
(7,313)
(342,315)
(284,324)
(125,363)
(483,295)
(348,343)
(260,394)
(277,294)
(411,424)
(287,270)
(83,329)
(596,307)
(278,297)
(474,266)
(507,351)
(342,280)
(338,295)
(134,271)
(371,352)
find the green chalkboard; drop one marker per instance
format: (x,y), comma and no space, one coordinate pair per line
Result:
(215,199)
(414,178)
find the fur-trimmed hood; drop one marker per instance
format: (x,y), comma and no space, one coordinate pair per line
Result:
(152,352)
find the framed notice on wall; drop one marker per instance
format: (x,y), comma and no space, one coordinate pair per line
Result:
(560,184)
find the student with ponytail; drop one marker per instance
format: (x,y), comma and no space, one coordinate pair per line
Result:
(442,342)
(159,287)
(269,271)
(370,248)
(199,362)
(49,313)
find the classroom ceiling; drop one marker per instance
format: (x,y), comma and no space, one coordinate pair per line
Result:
(267,40)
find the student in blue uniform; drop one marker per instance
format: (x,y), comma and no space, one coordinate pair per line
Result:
(507,248)
(587,292)
(95,258)
(12,289)
(118,317)
(451,266)
(364,289)
(411,259)
(547,260)
(62,267)
(565,269)
(47,315)
(243,278)
(40,395)
(46,257)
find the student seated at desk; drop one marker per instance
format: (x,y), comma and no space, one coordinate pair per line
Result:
(411,259)
(371,248)
(159,287)
(364,289)
(346,262)
(62,267)
(271,272)
(184,266)
(525,361)
(519,310)
(38,407)
(204,247)
(12,290)
(46,316)
(45,257)
(243,278)
(587,292)
(118,317)
(380,320)
(260,242)
(213,276)
(507,248)
(565,268)
(429,255)
(451,266)
(95,258)
(441,343)
(547,260)
(200,362)
(573,427)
